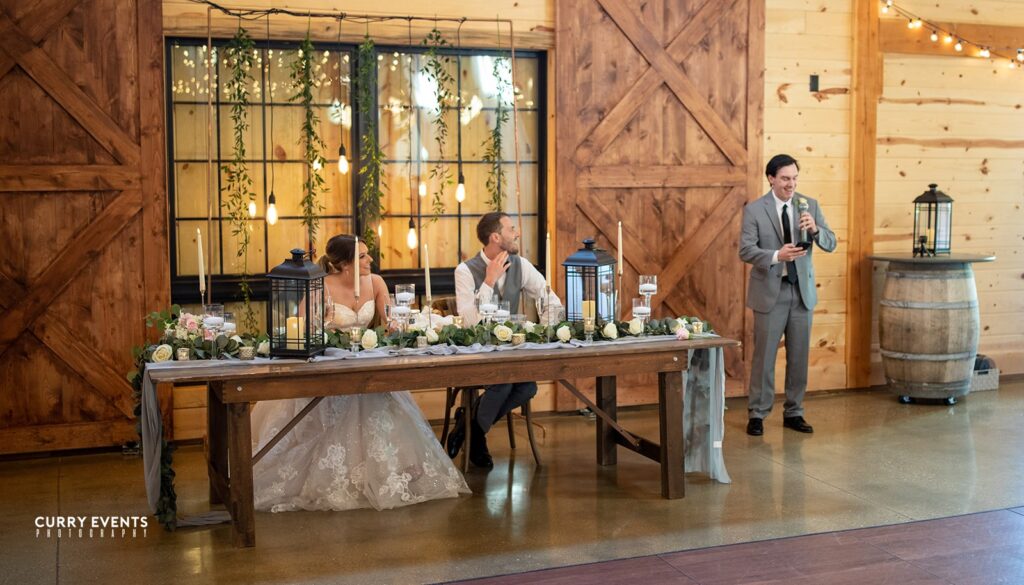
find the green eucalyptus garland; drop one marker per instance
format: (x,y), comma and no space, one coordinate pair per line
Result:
(239,187)
(371,207)
(302,76)
(437,70)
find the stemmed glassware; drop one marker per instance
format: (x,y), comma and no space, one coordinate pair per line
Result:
(502,314)
(642,311)
(402,311)
(488,307)
(648,287)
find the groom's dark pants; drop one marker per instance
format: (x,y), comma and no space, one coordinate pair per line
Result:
(499,400)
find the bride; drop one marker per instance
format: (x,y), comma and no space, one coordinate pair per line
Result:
(356,451)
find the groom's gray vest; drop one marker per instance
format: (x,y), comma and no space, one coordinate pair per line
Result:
(513,279)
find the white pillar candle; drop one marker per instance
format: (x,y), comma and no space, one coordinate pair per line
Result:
(355,269)
(619,246)
(295,329)
(426,271)
(202,269)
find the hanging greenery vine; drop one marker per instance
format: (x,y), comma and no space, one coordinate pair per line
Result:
(239,185)
(302,76)
(437,70)
(371,197)
(492,145)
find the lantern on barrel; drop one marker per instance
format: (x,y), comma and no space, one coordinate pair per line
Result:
(296,315)
(933,220)
(590,284)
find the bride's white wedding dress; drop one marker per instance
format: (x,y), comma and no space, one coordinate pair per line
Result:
(357,451)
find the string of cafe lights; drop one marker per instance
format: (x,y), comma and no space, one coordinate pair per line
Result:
(958,42)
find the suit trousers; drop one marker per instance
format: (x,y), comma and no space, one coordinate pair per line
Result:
(791,318)
(500,399)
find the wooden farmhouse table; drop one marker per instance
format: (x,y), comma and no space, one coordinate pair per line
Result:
(232,390)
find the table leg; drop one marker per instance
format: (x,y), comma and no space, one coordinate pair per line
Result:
(242,509)
(670,415)
(606,401)
(216,441)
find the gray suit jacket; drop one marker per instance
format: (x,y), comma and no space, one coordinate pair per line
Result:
(761,236)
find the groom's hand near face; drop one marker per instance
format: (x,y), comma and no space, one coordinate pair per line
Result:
(495,268)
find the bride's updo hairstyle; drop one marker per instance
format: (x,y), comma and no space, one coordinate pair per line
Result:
(338,253)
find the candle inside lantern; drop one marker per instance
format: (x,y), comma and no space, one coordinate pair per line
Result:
(355,268)
(588,309)
(294,328)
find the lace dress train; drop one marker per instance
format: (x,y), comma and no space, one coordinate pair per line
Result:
(358,451)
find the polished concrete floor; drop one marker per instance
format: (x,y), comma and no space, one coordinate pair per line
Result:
(870,462)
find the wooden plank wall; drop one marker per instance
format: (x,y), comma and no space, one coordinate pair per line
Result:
(958,121)
(804,38)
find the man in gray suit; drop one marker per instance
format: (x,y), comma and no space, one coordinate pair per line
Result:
(777,239)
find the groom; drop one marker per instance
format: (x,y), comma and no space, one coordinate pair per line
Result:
(497,269)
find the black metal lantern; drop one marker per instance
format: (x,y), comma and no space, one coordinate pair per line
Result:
(296,315)
(933,220)
(590,284)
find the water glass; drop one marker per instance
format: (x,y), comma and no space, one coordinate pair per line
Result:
(503,312)
(641,310)
(487,307)
(230,326)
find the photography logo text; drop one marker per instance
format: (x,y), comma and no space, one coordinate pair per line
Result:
(91,526)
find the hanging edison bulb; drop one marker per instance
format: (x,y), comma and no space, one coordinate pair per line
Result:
(342,160)
(272,209)
(317,165)
(423,189)
(380,230)
(410,238)
(252,207)
(460,189)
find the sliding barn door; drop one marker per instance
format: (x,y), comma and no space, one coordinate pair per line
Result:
(83,219)
(659,125)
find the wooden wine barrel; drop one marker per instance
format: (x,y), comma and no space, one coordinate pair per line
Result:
(928,327)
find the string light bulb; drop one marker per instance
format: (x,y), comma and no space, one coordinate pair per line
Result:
(985,53)
(1020,54)
(423,189)
(885,9)
(958,46)
(910,23)
(380,230)
(410,239)
(252,205)
(917,23)
(342,160)
(948,39)
(935,36)
(317,165)
(1012,64)
(272,209)
(460,189)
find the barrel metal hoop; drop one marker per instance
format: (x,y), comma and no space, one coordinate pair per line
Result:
(929,357)
(938,305)
(932,275)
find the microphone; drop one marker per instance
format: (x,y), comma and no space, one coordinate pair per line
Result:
(805,242)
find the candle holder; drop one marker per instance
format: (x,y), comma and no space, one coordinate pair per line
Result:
(588,328)
(247,352)
(642,311)
(355,337)
(421,341)
(457,321)
(698,327)
(648,287)
(518,338)
(183,354)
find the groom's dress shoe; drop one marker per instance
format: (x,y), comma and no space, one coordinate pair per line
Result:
(479,455)
(458,435)
(755,427)
(797,423)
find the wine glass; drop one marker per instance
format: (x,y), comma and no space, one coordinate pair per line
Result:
(213,320)
(230,326)
(405,294)
(642,311)
(487,306)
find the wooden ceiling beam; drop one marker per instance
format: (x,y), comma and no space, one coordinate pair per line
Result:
(895,37)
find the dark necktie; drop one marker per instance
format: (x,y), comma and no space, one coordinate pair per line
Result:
(787,238)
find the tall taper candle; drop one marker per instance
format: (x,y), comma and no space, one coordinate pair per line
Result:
(426,270)
(547,259)
(619,246)
(202,265)
(355,269)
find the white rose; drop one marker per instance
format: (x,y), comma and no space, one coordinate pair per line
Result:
(674,325)
(529,326)
(563,333)
(415,326)
(162,353)
(503,333)
(263,348)
(369,340)
(683,334)
(181,333)
(636,327)
(610,330)
(432,336)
